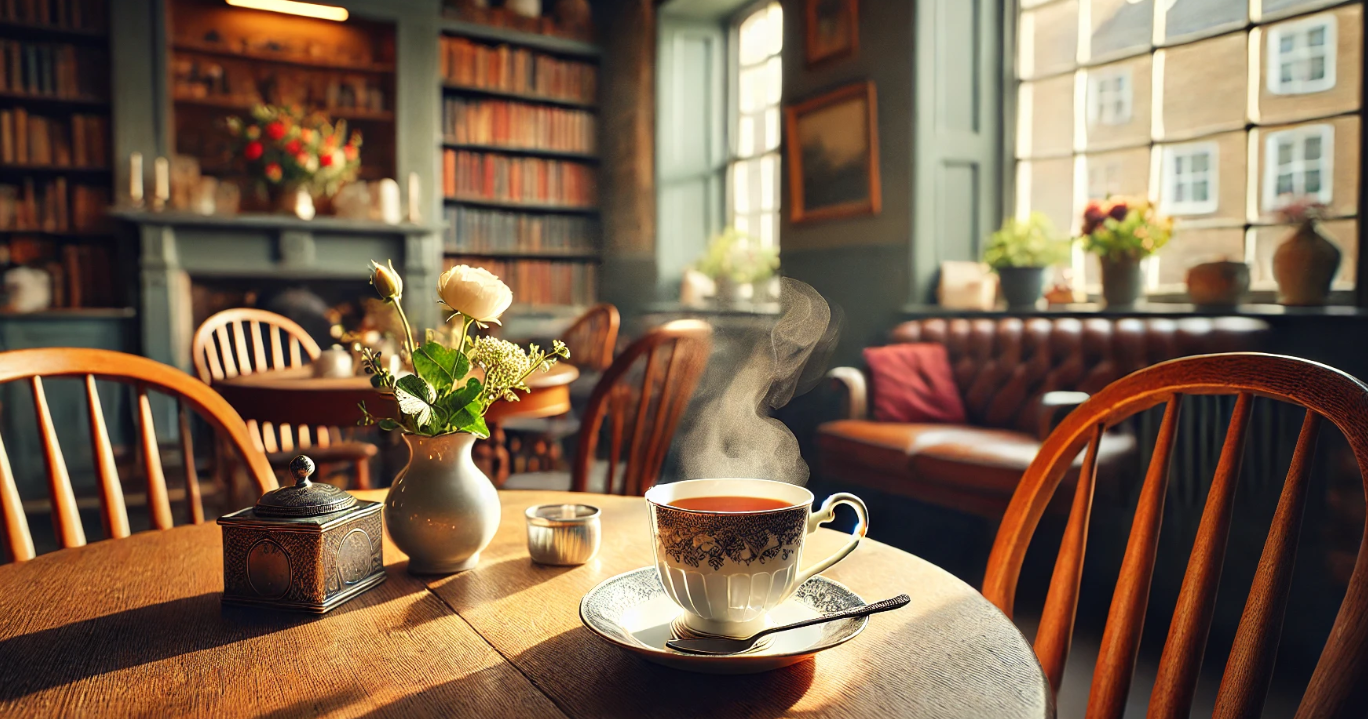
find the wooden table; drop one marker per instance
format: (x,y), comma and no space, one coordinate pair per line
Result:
(134,627)
(294,396)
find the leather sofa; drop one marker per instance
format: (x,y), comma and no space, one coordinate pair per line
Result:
(1017,377)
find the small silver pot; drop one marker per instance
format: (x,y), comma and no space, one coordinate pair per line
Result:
(563,534)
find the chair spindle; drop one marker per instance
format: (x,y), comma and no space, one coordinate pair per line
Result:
(158,503)
(1250,667)
(65,517)
(258,347)
(192,488)
(634,449)
(225,351)
(1061,602)
(111,489)
(18,541)
(277,352)
(1182,657)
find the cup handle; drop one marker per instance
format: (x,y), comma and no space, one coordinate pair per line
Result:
(825,514)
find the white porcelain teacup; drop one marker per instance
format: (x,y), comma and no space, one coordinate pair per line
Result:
(728,569)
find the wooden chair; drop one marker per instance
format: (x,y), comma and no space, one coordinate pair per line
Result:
(637,404)
(1337,686)
(235,342)
(592,339)
(36,364)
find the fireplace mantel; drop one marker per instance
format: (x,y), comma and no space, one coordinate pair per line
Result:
(179,246)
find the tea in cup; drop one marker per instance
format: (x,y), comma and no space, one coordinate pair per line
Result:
(729,550)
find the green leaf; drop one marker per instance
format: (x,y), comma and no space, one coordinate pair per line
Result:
(442,366)
(389,425)
(415,397)
(470,419)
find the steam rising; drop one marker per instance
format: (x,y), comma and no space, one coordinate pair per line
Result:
(732,433)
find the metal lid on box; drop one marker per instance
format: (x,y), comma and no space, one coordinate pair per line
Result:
(304,498)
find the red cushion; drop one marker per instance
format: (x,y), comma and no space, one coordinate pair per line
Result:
(913,383)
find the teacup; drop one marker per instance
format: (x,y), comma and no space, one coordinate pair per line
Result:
(728,569)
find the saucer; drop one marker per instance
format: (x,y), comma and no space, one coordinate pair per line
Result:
(633,612)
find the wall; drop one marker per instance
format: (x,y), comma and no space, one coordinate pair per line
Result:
(861,263)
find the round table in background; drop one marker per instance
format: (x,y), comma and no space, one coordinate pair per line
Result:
(294,396)
(134,627)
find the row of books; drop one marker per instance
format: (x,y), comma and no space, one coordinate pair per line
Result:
(516,124)
(476,230)
(78,274)
(53,206)
(61,14)
(517,179)
(46,69)
(472,64)
(541,282)
(78,141)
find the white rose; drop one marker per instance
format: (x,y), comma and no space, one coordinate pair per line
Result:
(474,292)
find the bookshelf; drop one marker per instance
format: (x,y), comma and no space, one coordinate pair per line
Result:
(520,165)
(56,180)
(225,60)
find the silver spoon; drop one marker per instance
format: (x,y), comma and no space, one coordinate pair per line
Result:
(722,645)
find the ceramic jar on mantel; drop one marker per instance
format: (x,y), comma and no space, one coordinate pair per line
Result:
(441,510)
(1305,265)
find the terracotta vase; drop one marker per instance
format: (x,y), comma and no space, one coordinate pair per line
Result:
(1305,265)
(1122,281)
(1218,284)
(441,510)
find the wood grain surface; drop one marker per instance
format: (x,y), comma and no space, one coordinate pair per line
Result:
(134,628)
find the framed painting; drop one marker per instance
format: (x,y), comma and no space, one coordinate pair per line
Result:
(833,154)
(833,29)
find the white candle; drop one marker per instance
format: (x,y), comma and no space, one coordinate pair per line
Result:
(135,179)
(161,169)
(415,214)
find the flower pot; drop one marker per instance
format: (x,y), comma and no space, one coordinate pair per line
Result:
(442,510)
(1305,266)
(1218,284)
(1122,281)
(1022,286)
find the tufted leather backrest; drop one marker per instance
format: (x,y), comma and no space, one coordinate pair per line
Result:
(1003,367)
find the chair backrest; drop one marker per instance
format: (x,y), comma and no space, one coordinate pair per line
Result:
(235,342)
(1327,395)
(640,414)
(232,343)
(593,338)
(144,374)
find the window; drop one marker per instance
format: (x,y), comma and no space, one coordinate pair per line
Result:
(1301,56)
(1190,179)
(753,174)
(1298,162)
(1222,113)
(1109,97)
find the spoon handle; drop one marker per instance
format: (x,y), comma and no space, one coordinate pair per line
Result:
(860,611)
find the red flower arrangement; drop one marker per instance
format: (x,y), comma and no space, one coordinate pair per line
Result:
(282,146)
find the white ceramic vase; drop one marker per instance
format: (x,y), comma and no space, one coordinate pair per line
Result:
(441,510)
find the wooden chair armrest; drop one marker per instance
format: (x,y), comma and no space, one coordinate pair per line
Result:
(1055,406)
(853,382)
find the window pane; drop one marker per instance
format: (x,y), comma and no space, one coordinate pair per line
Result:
(1135,130)
(1050,124)
(1049,185)
(769,229)
(769,182)
(1121,27)
(761,35)
(1123,172)
(1186,19)
(751,88)
(745,135)
(1317,157)
(1189,247)
(740,188)
(1048,39)
(1313,81)
(771,128)
(774,81)
(1204,86)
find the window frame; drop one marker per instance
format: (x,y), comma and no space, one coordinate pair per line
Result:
(1171,178)
(1271,200)
(1097,114)
(734,117)
(1302,56)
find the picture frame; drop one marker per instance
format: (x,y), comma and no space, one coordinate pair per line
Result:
(833,166)
(832,31)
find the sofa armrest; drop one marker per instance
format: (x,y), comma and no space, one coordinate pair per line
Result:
(1054,406)
(852,381)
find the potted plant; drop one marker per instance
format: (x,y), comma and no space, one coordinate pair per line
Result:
(1305,264)
(295,157)
(736,262)
(1122,232)
(442,510)
(1021,253)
